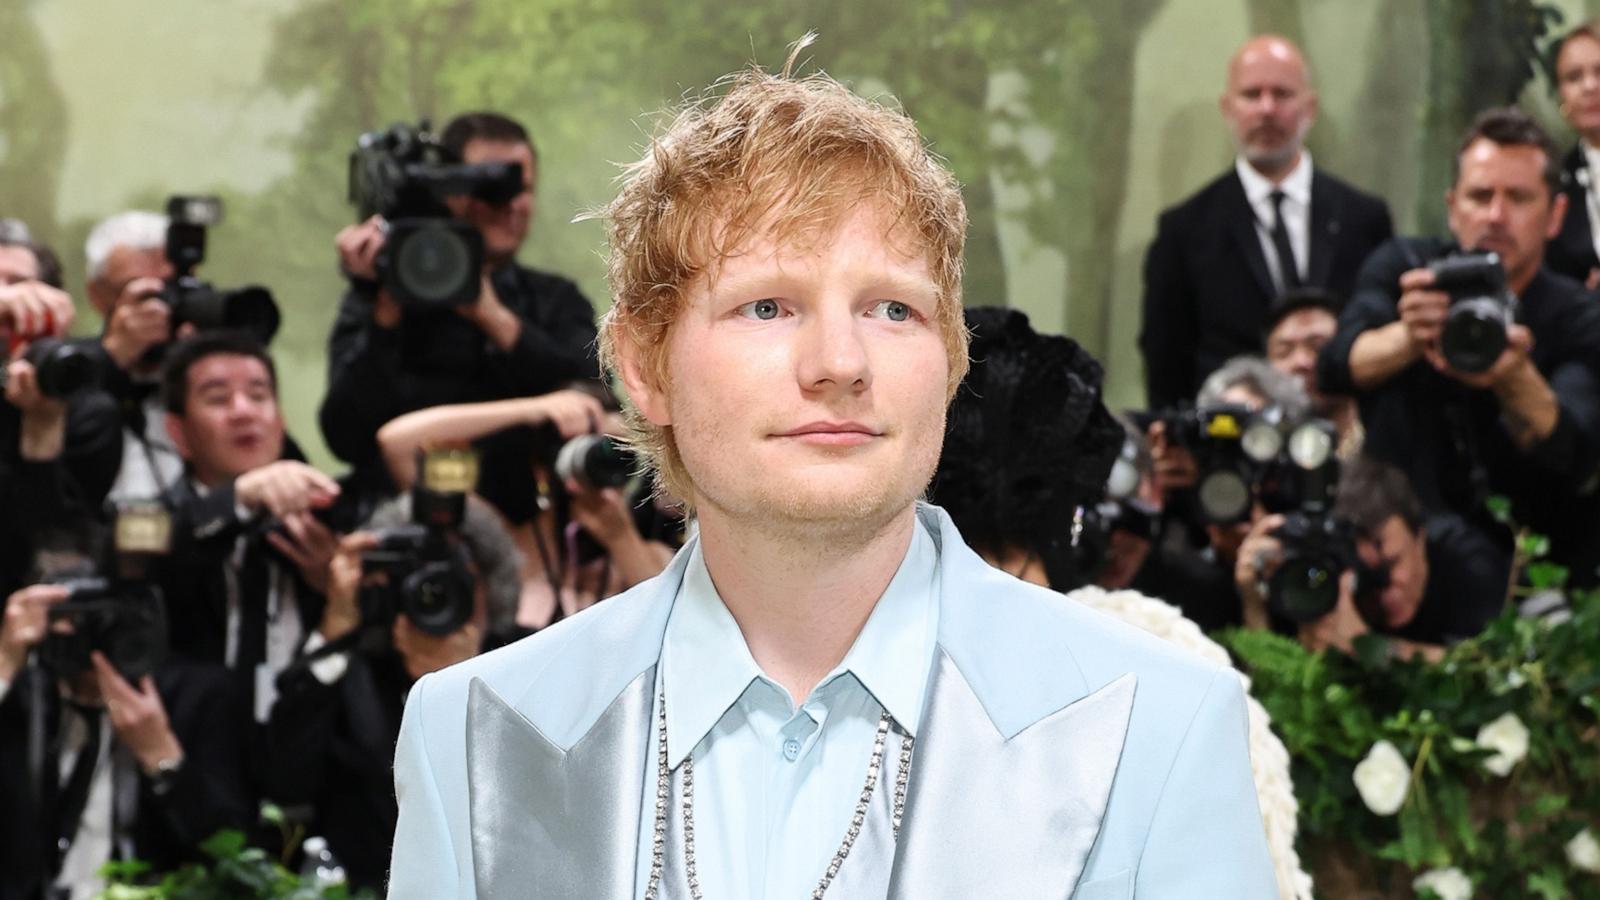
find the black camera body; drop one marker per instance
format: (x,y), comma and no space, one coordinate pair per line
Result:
(1482,308)
(427,576)
(249,309)
(66,366)
(1214,435)
(429,259)
(1317,549)
(124,620)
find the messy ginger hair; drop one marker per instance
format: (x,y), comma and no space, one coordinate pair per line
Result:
(766,155)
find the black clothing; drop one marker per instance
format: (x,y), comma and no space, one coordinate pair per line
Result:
(1571,252)
(437,357)
(331,746)
(166,827)
(1202,588)
(1467,583)
(1207,287)
(1449,439)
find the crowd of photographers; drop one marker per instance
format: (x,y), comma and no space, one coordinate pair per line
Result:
(198,621)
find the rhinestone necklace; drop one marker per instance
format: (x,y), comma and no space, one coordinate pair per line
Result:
(658,844)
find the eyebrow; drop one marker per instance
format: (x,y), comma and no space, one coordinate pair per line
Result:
(215,383)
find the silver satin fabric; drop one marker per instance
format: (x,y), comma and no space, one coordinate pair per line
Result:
(988,816)
(550,823)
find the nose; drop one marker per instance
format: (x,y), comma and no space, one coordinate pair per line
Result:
(1303,361)
(1497,209)
(832,356)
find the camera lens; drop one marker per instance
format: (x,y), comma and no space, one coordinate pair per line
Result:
(1474,333)
(595,460)
(432,262)
(63,367)
(1304,589)
(437,598)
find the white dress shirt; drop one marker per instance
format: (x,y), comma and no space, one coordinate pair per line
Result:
(1591,203)
(775,783)
(1296,207)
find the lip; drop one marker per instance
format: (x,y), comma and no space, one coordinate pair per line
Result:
(838,434)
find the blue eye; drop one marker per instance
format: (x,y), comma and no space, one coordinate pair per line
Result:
(893,310)
(764,310)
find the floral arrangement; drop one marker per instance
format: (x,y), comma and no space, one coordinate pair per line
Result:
(1478,776)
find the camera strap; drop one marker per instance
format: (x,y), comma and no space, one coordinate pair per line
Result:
(75,794)
(300,666)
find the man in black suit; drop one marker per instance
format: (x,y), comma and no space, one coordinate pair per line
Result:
(1271,224)
(1572,251)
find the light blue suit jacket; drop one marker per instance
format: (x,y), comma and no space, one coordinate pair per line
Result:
(1062,754)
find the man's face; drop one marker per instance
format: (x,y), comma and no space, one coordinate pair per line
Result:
(17,264)
(1294,343)
(1269,104)
(1405,553)
(231,423)
(1500,202)
(123,266)
(505,225)
(1578,80)
(807,385)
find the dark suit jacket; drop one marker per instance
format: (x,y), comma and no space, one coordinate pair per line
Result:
(1571,253)
(208,794)
(1207,287)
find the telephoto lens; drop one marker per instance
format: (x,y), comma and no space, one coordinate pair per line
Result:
(595,461)
(1482,308)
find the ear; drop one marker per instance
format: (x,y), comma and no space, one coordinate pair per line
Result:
(648,396)
(180,441)
(1558,214)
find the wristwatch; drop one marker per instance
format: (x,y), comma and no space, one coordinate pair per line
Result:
(165,775)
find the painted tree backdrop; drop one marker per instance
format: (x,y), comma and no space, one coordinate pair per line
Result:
(1071,122)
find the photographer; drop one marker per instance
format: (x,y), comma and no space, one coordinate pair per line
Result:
(251,555)
(1300,323)
(526,333)
(1467,401)
(96,766)
(57,462)
(557,578)
(330,742)
(1423,581)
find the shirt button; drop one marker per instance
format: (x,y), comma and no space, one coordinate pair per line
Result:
(791,749)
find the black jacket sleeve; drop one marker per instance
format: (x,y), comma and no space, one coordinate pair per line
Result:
(1373,304)
(1170,321)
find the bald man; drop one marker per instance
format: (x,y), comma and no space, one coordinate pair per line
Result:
(1269,224)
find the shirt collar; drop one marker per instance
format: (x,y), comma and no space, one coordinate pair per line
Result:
(1296,185)
(706,665)
(1591,162)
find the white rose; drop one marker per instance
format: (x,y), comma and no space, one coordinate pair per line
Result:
(1508,738)
(1583,851)
(1382,779)
(1449,884)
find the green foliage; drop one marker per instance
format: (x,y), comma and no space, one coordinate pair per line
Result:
(236,871)
(1508,834)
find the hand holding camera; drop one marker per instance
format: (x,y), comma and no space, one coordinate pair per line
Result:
(309,544)
(139,322)
(285,488)
(342,614)
(30,309)
(138,716)
(1339,628)
(26,623)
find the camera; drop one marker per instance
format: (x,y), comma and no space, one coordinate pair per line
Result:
(1481,309)
(1317,549)
(64,366)
(595,461)
(122,616)
(426,574)
(248,309)
(1214,435)
(404,174)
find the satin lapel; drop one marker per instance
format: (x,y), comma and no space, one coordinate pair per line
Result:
(992,816)
(551,823)
(1242,224)
(1325,228)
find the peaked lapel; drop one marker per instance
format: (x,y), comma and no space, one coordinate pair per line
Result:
(996,815)
(1242,225)
(1325,227)
(564,823)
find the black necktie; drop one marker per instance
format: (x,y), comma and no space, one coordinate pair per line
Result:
(1289,273)
(253,576)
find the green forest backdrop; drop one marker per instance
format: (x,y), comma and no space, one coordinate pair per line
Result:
(1071,122)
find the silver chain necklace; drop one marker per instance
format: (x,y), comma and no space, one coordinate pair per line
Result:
(658,844)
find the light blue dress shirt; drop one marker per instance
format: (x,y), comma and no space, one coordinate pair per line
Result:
(776,783)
